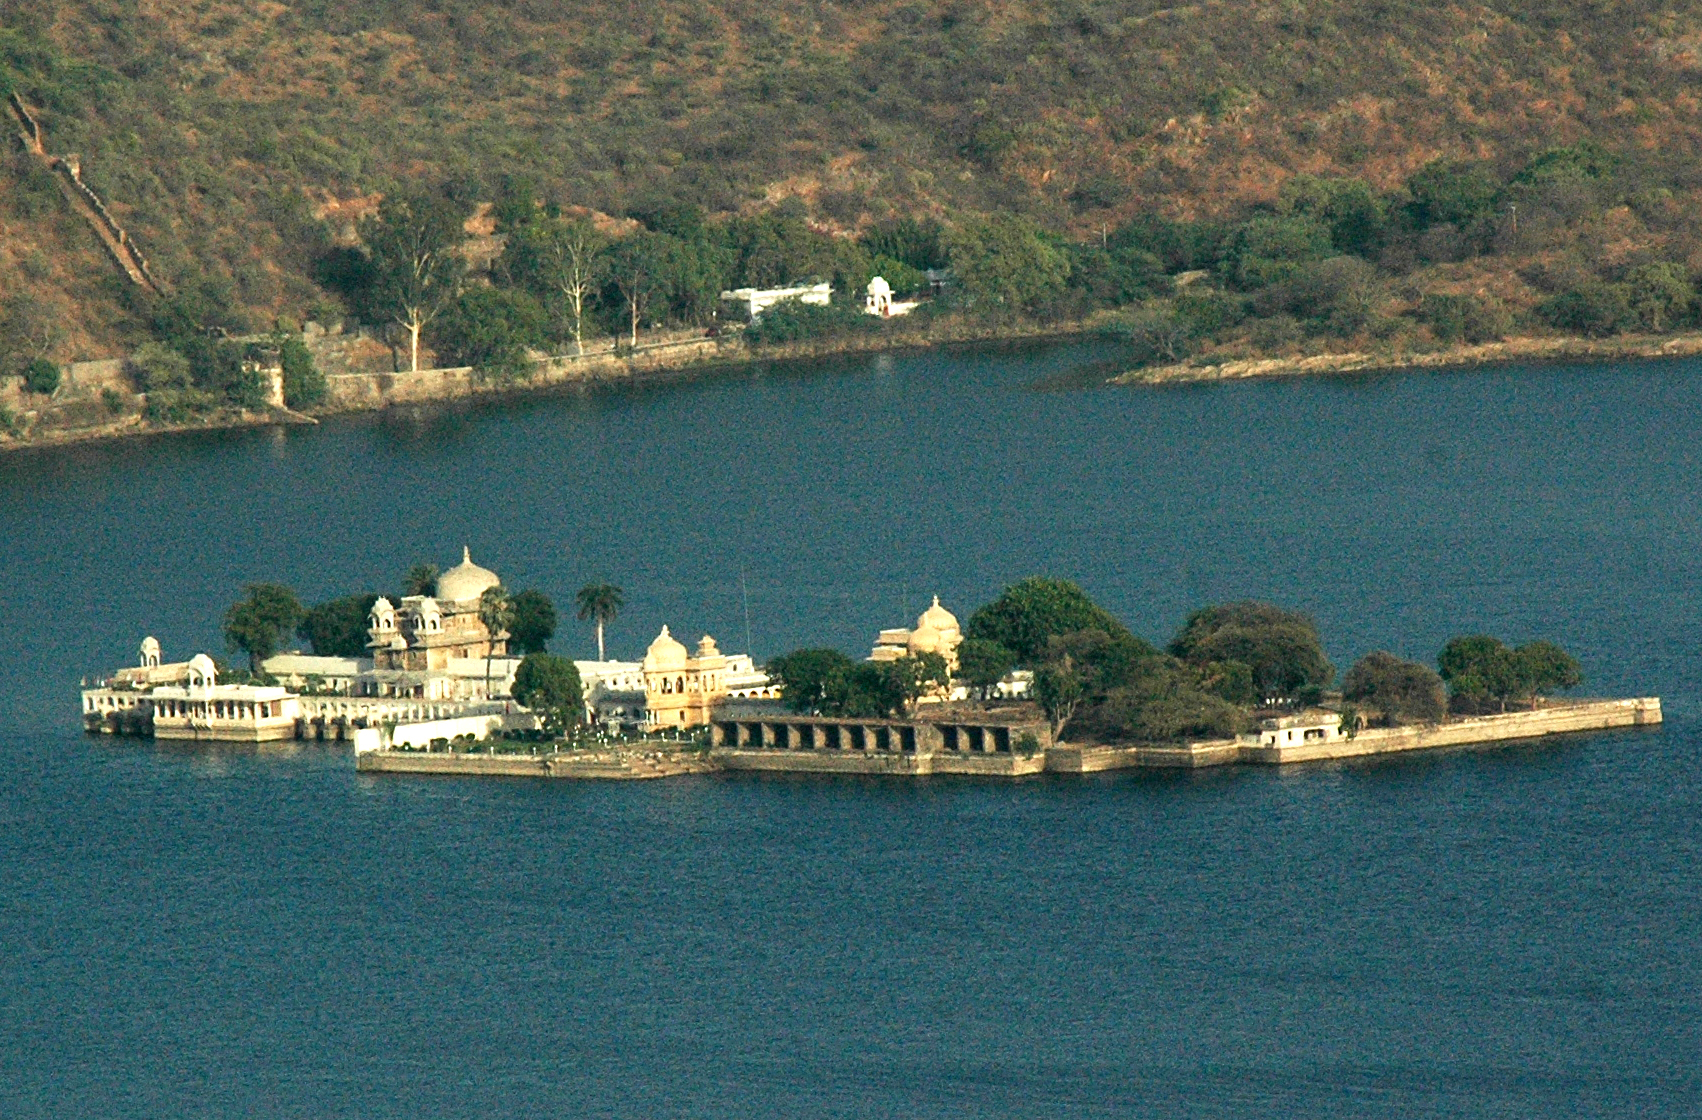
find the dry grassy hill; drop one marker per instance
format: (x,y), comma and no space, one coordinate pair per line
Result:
(236,140)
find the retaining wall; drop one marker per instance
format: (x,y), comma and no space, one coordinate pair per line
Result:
(1588,715)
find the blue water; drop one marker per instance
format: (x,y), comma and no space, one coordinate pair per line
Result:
(1501,933)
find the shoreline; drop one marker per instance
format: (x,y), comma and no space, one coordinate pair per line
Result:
(654,364)
(664,362)
(1464,356)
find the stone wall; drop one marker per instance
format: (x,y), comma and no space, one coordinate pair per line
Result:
(358,392)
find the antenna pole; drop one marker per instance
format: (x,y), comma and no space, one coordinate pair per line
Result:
(744,594)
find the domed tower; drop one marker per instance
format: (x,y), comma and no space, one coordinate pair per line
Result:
(937,631)
(466,581)
(680,690)
(150,653)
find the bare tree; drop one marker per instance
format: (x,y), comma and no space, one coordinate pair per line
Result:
(417,269)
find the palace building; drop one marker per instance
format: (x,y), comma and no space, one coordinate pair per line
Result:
(427,632)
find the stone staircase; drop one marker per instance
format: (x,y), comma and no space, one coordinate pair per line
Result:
(68,173)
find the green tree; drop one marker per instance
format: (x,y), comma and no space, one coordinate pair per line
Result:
(420,579)
(563,260)
(812,680)
(550,687)
(304,384)
(1352,210)
(1403,691)
(1269,248)
(913,677)
(1281,647)
(491,330)
(1478,668)
(1155,331)
(600,604)
(982,664)
(1548,668)
(496,611)
(257,623)
(1028,614)
(337,627)
(1005,264)
(42,376)
(534,622)
(636,268)
(413,244)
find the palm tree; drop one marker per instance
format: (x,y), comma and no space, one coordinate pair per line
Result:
(600,603)
(496,612)
(420,580)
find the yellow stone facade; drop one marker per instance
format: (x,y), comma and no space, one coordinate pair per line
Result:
(681,689)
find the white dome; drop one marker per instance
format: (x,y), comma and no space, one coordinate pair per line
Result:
(938,618)
(466,581)
(202,671)
(665,652)
(879,287)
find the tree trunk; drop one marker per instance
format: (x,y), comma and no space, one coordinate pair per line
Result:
(633,304)
(414,346)
(600,656)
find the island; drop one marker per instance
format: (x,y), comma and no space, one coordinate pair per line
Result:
(454,676)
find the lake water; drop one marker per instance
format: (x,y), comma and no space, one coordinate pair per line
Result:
(1505,933)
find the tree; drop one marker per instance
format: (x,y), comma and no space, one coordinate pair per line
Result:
(1006,264)
(564,258)
(551,688)
(156,366)
(911,678)
(1453,194)
(1479,668)
(42,376)
(304,384)
(634,268)
(1155,331)
(421,579)
(1281,647)
(412,243)
(490,329)
(1660,294)
(1029,613)
(29,329)
(496,611)
(1059,689)
(1403,691)
(599,603)
(812,680)
(337,627)
(983,663)
(534,622)
(256,624)
(1548,668)
(1593,308)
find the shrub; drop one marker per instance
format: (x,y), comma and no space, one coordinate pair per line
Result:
(1593,308)
(177,406)
(795,321)
(113,400)
(1467,318)
(157,366)
(1266,250)
(42,376)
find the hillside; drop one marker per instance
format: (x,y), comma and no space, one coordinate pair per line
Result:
(239,142)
